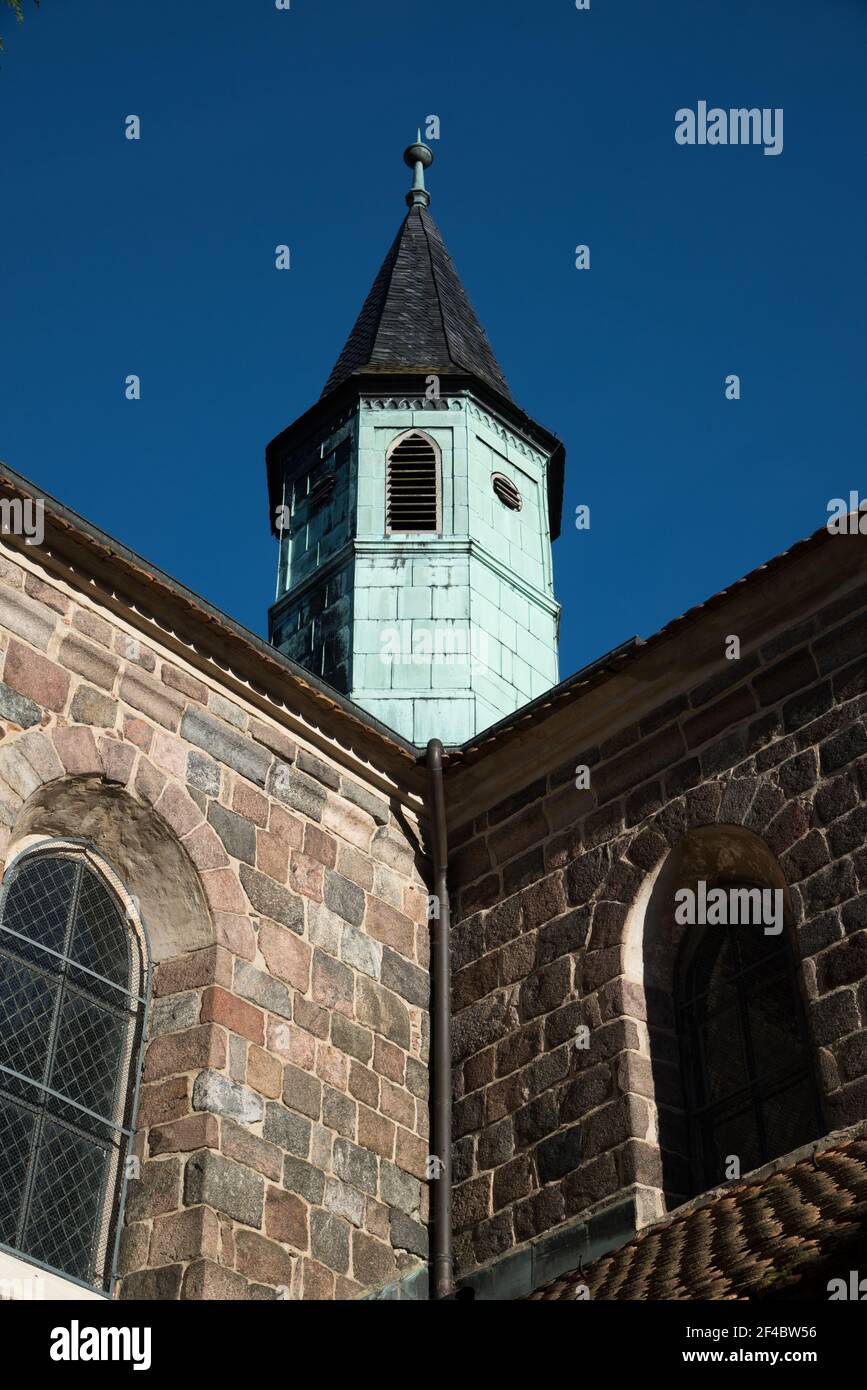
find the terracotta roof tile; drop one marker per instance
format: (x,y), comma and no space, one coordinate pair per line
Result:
(748,1240)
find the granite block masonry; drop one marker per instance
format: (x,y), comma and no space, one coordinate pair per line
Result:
(758,772)
(268,1062)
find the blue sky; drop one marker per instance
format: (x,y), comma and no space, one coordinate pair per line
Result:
(262,127)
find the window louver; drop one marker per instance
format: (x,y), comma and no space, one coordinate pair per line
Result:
(321,491)
(413,491)
(507,492)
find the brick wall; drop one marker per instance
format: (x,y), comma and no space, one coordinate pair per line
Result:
(551,885)
(283,1114)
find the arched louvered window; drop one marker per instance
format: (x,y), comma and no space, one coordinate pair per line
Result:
(749,1084)
(413,485)
(73,994)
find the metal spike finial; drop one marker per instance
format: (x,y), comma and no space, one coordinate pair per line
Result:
(418,157)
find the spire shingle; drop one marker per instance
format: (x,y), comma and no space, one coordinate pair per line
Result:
(417,317)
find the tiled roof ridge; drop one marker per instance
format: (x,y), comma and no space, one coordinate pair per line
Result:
(375,301)
(387,270)
(425,218)
(488,368)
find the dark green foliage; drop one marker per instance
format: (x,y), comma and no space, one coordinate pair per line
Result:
(18,11)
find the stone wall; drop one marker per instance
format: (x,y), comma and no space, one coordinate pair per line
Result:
(550,933)
(283,1112)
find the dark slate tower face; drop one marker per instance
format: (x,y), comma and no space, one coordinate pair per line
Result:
(415,505)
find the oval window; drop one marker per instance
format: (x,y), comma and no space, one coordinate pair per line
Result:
(507,492)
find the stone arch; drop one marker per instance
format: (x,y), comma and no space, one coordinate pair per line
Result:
(69,787)
(762,812)
(718,854)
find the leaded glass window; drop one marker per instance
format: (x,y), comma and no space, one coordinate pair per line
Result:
(748,1077)
(73,989)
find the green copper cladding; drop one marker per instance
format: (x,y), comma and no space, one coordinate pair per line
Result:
(440,633)
(418,157)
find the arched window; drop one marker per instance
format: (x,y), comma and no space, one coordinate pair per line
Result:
(73,996)
(748,1081)
(413,485)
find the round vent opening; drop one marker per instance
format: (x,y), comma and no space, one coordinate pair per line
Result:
(322,490)
(507,492)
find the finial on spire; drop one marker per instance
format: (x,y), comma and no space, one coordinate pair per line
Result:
(419,157)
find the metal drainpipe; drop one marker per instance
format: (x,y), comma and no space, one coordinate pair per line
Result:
(442,1264)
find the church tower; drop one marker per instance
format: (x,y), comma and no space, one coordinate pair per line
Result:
(415,505)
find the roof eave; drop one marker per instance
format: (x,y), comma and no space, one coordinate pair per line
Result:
(309,425)
(637,650)
(73,544)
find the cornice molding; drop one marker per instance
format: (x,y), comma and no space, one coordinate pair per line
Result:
(442,404)
(463,403)
(509,436)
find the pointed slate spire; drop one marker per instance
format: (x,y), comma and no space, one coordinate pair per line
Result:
(417,317)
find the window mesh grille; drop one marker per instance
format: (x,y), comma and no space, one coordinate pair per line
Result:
(72,1007)
(413,486)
